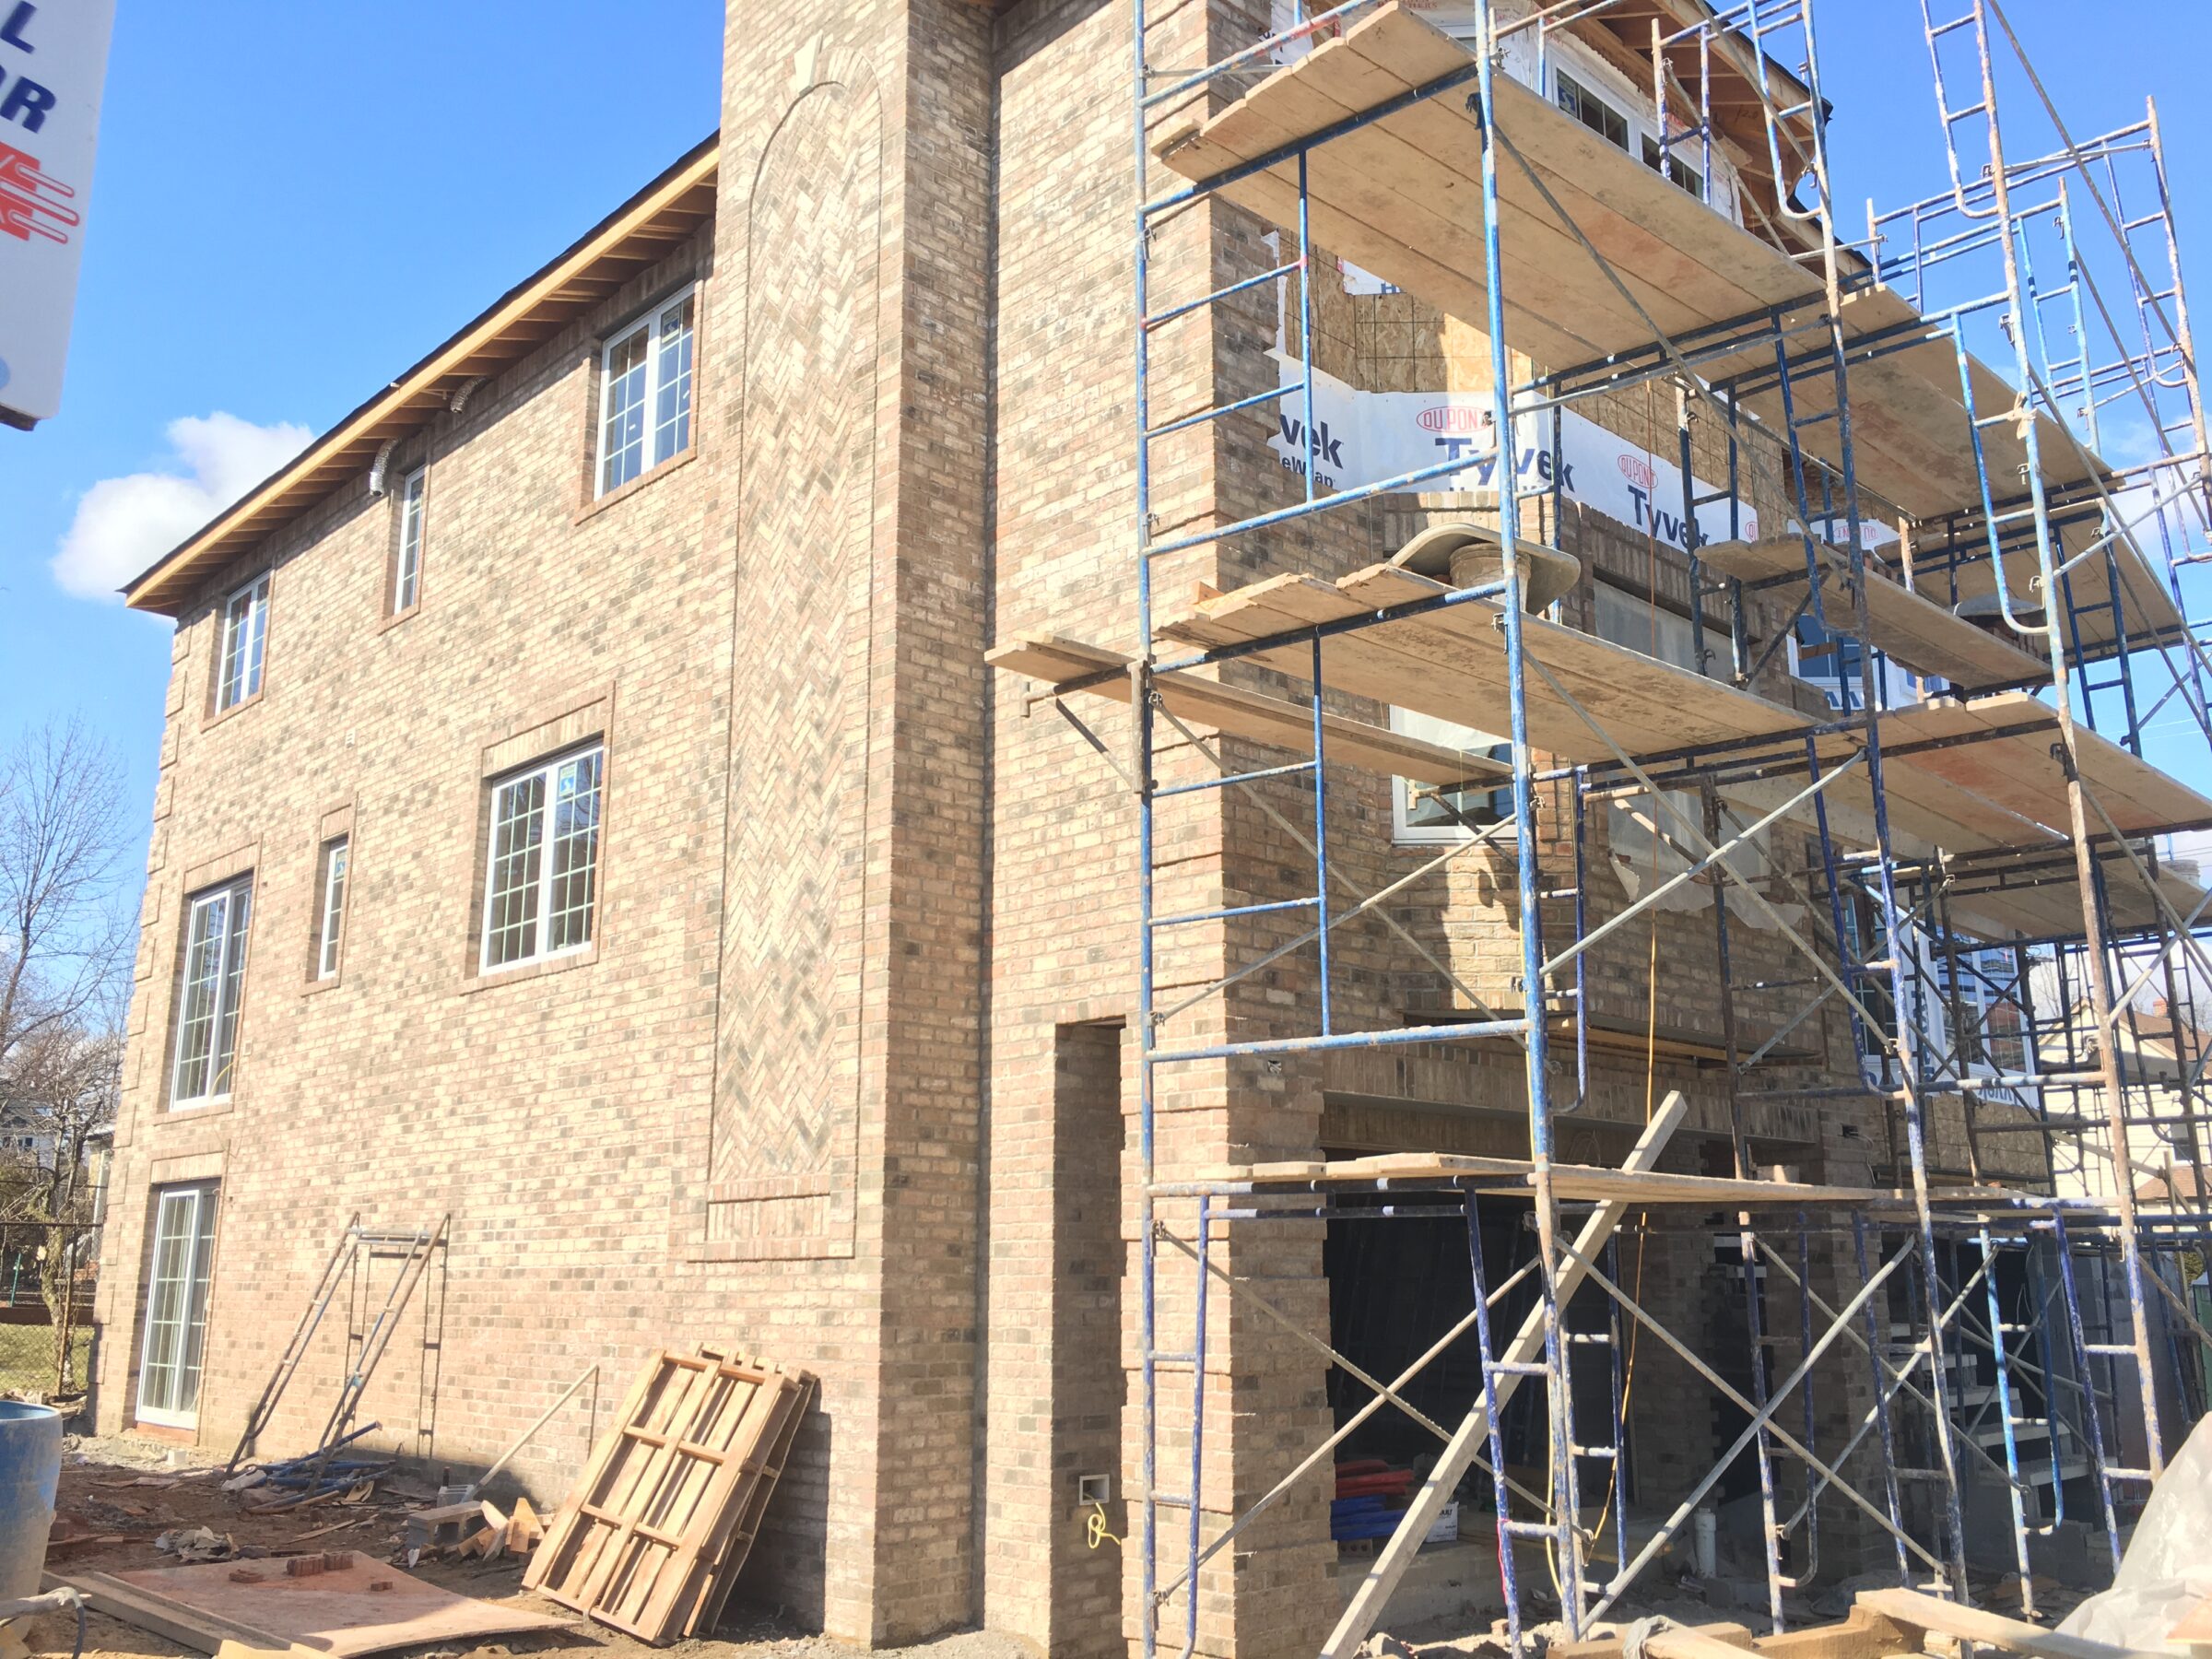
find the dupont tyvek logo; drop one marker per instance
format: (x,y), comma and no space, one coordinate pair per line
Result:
(32,203)
(1453,418)
(1637,471)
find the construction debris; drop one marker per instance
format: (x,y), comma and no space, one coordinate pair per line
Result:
(331,1613)
(198,1544)
(653,1536)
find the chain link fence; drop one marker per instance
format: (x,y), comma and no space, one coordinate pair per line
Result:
(48,1271)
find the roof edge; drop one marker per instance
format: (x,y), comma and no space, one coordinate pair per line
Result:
(148,590)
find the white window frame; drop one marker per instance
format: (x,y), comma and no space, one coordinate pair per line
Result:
(242,649)
(194,1207)
(227,989)
(330,935)
(1431,728)
(1564,83)
(414,509)
(667,370)
(547,774)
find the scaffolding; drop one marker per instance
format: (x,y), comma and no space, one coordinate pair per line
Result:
(1994,614)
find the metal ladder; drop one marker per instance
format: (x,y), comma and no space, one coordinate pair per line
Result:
(350,1263)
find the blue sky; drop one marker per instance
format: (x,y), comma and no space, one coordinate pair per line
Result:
(296,201)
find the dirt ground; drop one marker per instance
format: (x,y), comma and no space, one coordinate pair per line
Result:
(120,1496)
(119,1489)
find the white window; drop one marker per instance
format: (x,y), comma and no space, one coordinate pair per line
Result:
(245,634)
(330,932)
(645,392)
(406,576)
(1588,108)
(176,1306)
(1420,816)
(542,868)
(215,970)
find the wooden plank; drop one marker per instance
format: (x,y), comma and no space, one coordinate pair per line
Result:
(1918,1611)
(1242,713)
(2018,772)
(1918,632)
(187,1626)
(1397,1553)
(335,1613)
(1452,663)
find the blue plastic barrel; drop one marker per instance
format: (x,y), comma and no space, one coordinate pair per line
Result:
(31,1473)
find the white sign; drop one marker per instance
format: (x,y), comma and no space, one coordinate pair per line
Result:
(54,57)
(1363,438)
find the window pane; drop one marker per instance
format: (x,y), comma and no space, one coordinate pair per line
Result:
(518,818)
(197,1009)
(410,542)
(177,1288)
(672,382)
(334,907)
(575,853)
(233,982)
(622,429)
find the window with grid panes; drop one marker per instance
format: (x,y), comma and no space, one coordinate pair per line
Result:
(542,864)
(207,997)
(645,392)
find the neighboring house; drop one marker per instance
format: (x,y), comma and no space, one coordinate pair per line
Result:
(586,815)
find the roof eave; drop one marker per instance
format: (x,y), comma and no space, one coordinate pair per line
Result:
(637,235)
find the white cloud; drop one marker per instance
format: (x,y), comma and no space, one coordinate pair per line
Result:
(124,524)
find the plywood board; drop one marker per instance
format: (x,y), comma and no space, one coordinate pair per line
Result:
(1452,663)
(1916,631)
(1243,712)
(1403,197)
(333,1612)
(2017,771)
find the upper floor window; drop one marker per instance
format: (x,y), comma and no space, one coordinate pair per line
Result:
(1592,111)
(645,392)
(330,913)
(208,999)
(1683,175)
(542,868)
(406,573)
(245,636)
(1419,814)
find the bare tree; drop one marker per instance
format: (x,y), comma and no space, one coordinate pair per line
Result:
(63,978)
(62,842)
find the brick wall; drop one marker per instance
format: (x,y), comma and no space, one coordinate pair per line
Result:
(848,1075)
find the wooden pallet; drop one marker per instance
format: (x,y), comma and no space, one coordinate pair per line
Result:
(652,1537)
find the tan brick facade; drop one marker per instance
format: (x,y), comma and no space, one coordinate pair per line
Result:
(847,1073)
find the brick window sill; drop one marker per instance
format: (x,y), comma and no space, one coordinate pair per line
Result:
(234,710)
(391,620)
(194,1113)
(652,475)
(481,980)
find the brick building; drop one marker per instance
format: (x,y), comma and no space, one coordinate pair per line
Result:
(592,739)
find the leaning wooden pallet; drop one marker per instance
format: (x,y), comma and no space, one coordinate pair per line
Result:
(651,1538)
